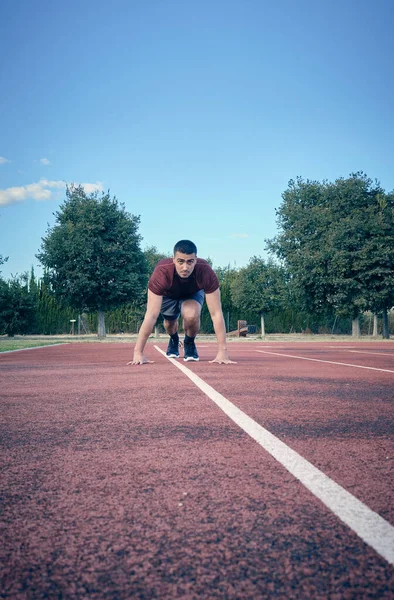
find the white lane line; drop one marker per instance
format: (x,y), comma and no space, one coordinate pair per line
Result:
(368,352)
(368,525)
(341,347)
(330,362)
(34,348)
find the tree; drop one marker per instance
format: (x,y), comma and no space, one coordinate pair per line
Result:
(17,306)
(4,298)
(225,276)
(303,221)
(92,254)
(353,238)
(375,262)
(2,261)
(259,288)
(52,316)
(336,245)
(152,256)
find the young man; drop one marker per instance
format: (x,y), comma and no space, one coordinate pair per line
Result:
(178,286)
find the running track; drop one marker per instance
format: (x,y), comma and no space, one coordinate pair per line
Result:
(271,478)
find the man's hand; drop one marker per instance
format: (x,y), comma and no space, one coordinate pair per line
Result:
(140,359)
(223,359)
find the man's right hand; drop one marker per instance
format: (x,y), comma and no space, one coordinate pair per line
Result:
(140,359)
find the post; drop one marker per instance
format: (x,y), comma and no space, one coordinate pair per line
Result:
(356,327)
(262,325)
(101,324)
(333,327)
(375,326)
(386,333)
(72,321)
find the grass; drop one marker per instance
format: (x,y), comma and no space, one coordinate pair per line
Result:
(7,344)
(34,341)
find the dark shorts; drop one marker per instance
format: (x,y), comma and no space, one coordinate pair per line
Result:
(171,309)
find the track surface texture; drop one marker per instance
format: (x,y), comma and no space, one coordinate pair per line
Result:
(130,482)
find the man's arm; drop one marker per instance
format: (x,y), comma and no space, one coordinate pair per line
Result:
(215,310)
(151,315)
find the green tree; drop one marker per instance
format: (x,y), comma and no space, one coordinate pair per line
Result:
(225,276)
(17,306)
(337,244)
(353,238)
(3,260)
(259,288)
(152,256)
(4,297)
(303,222)
(92,254)
(375,261)
(52,315)
(34,294)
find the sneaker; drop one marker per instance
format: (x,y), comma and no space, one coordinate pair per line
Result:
(190,351)
(173,349)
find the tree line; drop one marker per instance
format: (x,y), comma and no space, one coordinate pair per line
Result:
(330,267)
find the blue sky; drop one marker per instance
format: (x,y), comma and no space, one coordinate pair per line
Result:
(194,114)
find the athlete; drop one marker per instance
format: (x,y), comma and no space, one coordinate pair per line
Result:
(177,287)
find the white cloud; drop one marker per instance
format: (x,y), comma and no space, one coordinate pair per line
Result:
(3,160)
(53,184)
(41,190)
(92,187)
(239,235)
(44,161)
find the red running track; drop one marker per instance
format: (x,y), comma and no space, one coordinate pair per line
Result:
(130,482)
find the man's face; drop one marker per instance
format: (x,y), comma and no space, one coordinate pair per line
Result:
(184,264)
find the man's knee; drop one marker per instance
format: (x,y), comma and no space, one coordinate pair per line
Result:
(170,326)
(191,310)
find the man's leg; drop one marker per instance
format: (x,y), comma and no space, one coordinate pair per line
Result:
(170,310)
(171,327)
(191,311)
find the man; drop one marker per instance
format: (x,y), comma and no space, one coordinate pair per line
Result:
(178,286)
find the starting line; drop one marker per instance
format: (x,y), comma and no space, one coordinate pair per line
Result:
(368,525)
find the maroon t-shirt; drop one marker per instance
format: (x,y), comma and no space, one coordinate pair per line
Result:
(165,281)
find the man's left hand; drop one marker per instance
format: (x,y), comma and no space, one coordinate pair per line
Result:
(223,359)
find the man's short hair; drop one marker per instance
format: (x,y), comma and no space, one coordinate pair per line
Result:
(185,247)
